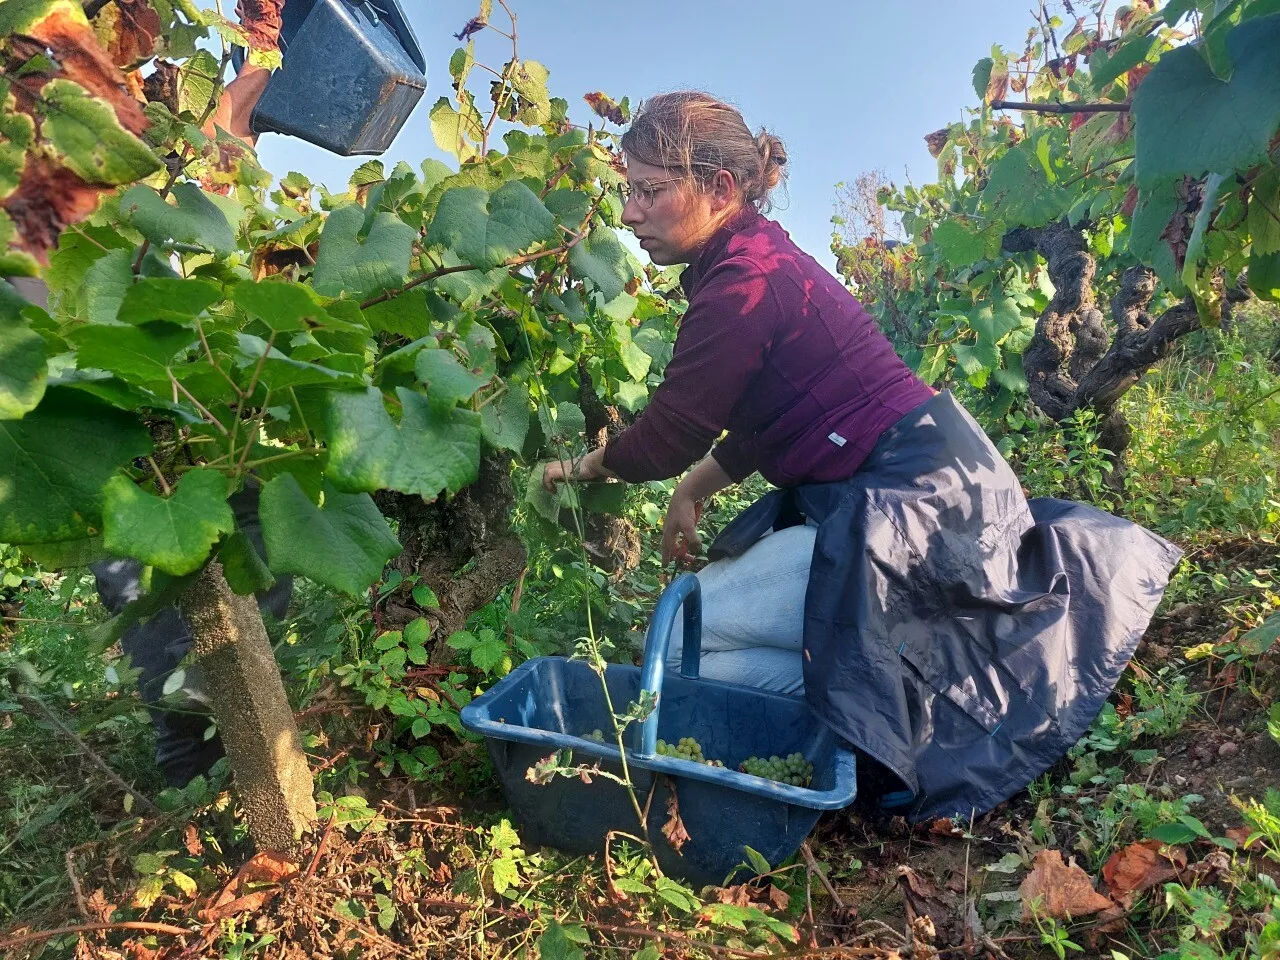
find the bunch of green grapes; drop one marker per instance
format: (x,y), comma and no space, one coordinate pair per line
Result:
(793,769)
(597,735)
(686,748)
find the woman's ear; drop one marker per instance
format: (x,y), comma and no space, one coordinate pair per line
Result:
(724,191)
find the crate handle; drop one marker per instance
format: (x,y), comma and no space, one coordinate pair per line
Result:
(684,592)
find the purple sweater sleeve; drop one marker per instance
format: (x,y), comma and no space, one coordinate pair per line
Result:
(719,349)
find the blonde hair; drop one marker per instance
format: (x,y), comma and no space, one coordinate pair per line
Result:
(696,134)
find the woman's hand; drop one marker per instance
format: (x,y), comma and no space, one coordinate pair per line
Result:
(680,540)
(590,467)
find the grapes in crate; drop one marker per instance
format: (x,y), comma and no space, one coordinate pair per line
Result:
(793,769)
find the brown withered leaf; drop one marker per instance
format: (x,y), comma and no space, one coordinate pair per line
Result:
(74,46)
(1239,835)
(674,829)
(161,85)
(945,827)
(1114,919)
(129,29)
(924,898)
(1059,890)
(265,871)
(605,107)
(753,895)
(998,82)
(99,906)
(48,198)
(1141,866)
(261,20)
(191,840)
(937,141)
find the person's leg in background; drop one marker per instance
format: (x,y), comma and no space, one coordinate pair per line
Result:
(158,646)
(753,614)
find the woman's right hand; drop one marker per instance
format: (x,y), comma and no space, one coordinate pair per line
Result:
(680,540)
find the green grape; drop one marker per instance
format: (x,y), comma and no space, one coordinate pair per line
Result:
(792,769)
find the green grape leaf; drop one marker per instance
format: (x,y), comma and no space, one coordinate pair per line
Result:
(977,361)
(456,133)
(433,447)
(1105,69)
(530,80)
(603,497)
(344,543)
(982,76)
(23,369)
(279,372)
(962,247)
(88,138)
(173,534)
(1264,213)
(992,322)
(194,217)
(569,206)
(1018,190)
(1188,122)
(283,306)
(54,463)
(504,422)
(601,258)
(245,570)
(102,291)
(565,421)
(467,287)
(1264,275)
(359,267)
(1156,206)
(545,503)
(406,315)
(446,379)
(139,354)
(66,554)
(488,230)
(17,132)
(434,173)
(557,944)
(634,360)
(166,298)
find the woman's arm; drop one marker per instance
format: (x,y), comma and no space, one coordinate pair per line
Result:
(680,529)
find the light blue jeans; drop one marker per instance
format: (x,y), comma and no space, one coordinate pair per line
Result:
(753,614)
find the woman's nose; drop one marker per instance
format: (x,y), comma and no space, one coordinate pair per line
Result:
(631,212)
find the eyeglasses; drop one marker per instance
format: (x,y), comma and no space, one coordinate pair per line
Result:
(645,191)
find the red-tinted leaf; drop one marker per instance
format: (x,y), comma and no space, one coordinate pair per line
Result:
(261,20)
(1141,866)
(605,107)
(674,829)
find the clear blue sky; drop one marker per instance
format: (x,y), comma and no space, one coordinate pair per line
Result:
(850,85)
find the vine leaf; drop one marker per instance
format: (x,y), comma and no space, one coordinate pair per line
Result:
(23,369)
(140,354)
(447,381)
(505,421)
(602,259)
(1059,890)
(194,217)
(245,570)
(434,447)
(344,543)
(1188,122)
(172,534)
(488,229)
(361,266)
(283,306)
(89,140)
(167,298)
(54,463)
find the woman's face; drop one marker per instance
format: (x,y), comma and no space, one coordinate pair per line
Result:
(681,218)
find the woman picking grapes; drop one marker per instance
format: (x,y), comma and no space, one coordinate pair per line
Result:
(949,629)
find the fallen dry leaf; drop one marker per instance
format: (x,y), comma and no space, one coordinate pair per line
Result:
(1141,866)
(1239,835)
(262,869)
(674,829)
(924,898)
(1059,890)
(945,828)
(191,840)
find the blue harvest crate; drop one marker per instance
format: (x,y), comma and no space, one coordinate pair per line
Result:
(552,703)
